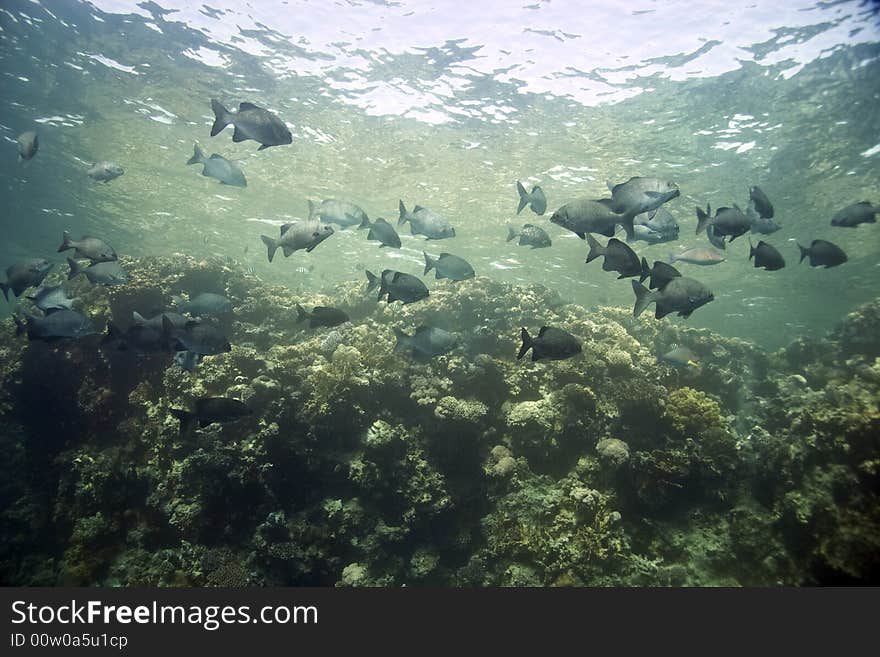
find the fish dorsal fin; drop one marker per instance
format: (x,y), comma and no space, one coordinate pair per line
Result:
(610,185)
(417,208)
(543,330)
(216,156)
(718,210)
(286,227)
(528,225)
(247,106)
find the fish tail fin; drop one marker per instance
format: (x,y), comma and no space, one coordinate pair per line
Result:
(646,270)
(271,246)
(805,251)
(596,249)
(511,234)
(372,280)
(643,298)
(313,210)
(523,197)
(429,263)
(703,219)
(186,419)
(365,223)
(222,118)
(75,269)
(65,242)
(137,317)
(526,343)
(301,314)
(197,157)
(402,340)
(402,208)
(5,288)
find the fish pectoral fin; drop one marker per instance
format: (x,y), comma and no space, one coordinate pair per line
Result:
(287,251)
(237,135)
(263,147)
(247,106)
(653,194)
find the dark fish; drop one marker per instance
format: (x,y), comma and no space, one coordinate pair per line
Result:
(94,249)
(823,254)
(551,343)
(655,227)
(298,235)
(321,316)
(758,199)
(426,342)
(251,122)
(423,221)
(210,410)
(382,231)
(218,167)
(343,213)
(855,214)
(530,235)
(105,273)
(104,171)
(682,295)
(680,356)
(52,298)
(766,256)
(729,222)
(448,266)
(661,273)
(25,274)
(618,257)
(535,199)
(200,338)
(716,240)
(398,286)
(57,325)
(638,195)
(698,255)
(587,216)
(139,337)
(157,322)
(28,143)
(206,304)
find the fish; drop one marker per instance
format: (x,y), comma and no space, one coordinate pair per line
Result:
(305,270)
(680,356)
(96,250)
(823,254)
(759,201)
(343,213)
(638,195)
(448,266)
(698,255)
(618,257)
(530,235)
(655,227)
(205,304)
(729,222)
(251,122)
(105,273)
(25,274)
(584,216)
(423,221)
(661,273)
(104,171)
(766,256)
(218,167)
(552,343)
(209,410)
(426,343)
(298,235)
(139,337)
(55,326)
(52,298)
(761,225)
(381,231)
(198,337)
(28,144)
(398,286)
(157,322)
(716,240)
(187,360)
(681,294)
(535,199)
(321,316)
(855,214)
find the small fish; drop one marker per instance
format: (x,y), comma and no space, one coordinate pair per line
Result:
(398,286)
(251,122)
(682,295)
(726,222)
(661,273)
(823,254)
(618,257)
(28,144)
(426,343)
(680,356)
(530,235)
(52,298)
(298,235)
(94,249)
(535,199)
(104,171)
(105,273)
(25,274)
(57,325)
(305,270)
(766,256)
(551,343)
(423,221)
(759,201)
(381,231)
(698,255)
(321,316)
(587,216)
(218,167)
(210,410)
(343,213)
(198,337)
(448,266)
(855,214)
(205,304)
